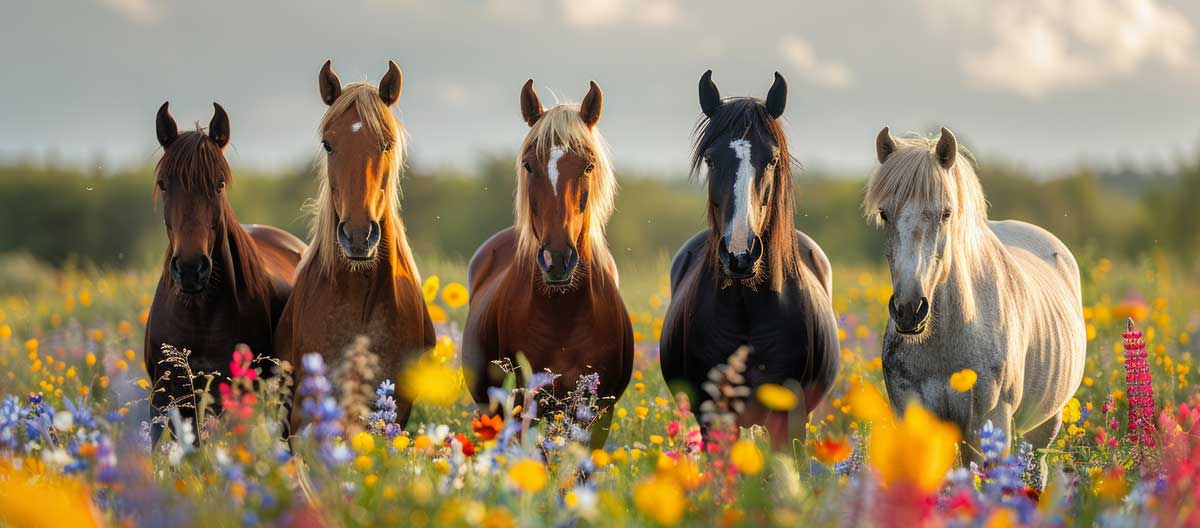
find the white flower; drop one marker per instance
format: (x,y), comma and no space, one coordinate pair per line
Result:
(64,420)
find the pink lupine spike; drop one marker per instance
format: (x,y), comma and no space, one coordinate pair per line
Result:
(1139,389)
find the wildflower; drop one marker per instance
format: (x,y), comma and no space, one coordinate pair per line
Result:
(776,397)
(487,427)
(963,380)
(1138,387)
(430,288)
(661,498)
(400,442)
(831,451)
(5,332)
(436,313)
(1111,485)
(992,442)
(746,457)
(90,359)
(600,458)
(529,475)
(641,411)
(454,295)
(431,382)
(465,445)
(239,367)
(918,449)
(363,442)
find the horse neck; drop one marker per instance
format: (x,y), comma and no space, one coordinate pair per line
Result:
(976,279)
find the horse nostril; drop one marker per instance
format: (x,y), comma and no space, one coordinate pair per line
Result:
(922,309)
(374,234)
(572,258)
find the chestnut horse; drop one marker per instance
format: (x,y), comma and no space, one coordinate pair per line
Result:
(547,287)
(751,279)
(222,283)
(358,277)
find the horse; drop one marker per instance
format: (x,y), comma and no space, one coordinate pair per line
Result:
(1002,298)
(222,283)
(358,277)
(547,286)
(751,279)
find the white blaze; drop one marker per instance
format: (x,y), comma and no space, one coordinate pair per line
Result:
(556,154)
(356,127)
(740,233)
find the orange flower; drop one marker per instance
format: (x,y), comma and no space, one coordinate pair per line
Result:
(832,450)
(487,427)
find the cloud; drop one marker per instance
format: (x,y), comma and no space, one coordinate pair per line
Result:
(1038,47)
(800,53)
(142,12)
(600,13)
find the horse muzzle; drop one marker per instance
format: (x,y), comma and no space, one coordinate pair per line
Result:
(743,265)
(191,274)
(557,267)
(910,318)
(358,243)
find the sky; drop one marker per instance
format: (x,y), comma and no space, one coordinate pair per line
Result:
(1047,84)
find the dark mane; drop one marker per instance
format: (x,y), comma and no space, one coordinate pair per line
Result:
(198,164)
(749,116)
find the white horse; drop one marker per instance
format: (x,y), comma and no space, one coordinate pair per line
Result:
(1001,298)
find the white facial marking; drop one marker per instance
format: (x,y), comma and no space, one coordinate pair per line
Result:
(356,127)
(546,257)
(740,232)
(556,154)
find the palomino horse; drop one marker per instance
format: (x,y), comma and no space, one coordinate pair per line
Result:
(1000,298)
(547,287)
(359,277)
(750,279)
(222,283)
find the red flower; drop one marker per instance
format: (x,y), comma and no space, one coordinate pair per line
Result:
(1138,389)
(240,366)
(468,448)
(487,427)
(673,428)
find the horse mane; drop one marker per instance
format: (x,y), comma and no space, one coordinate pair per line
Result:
(198,164)
(377,119)
(912,174)
(750,115)
(562,127)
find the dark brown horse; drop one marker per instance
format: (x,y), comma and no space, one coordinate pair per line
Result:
(750,279)
(222,283)
(358,278)
(547,287)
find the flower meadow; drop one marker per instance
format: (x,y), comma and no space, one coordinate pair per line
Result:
(75,428)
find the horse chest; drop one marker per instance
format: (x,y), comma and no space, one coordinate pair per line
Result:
(209,330)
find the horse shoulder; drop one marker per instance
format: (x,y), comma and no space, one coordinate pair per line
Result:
(816,260)
(1042,244)
(685,257)
(280,250)
(490,256)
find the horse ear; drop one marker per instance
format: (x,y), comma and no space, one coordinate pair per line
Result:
(710,97)
(777,96)
(885,145)
(593,102)
(218,128)
(331,86)
(531,107)
(389,87)
(165,126)
(947,149)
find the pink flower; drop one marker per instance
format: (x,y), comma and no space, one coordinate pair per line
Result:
(240,366)
(1138,388)
(673,429)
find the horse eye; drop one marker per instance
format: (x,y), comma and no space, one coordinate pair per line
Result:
(525,166)
(220,185)
(883,216)
(162,185)
(583,201)
(708,162)
(589,169)
(328,148)
(387,146)
(945,215)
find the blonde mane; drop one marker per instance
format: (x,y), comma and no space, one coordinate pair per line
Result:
(377,119)
(561,126)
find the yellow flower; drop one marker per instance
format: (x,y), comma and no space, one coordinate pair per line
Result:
(422,443)
(125,328)
(6,332)
(660,401)
(31,345)
(746,457)
(370,480)
(963,380)
(641,411)
(866,403)
(143,384)
(917,450)
(1111,485)
(600,458)
(529,475)
(121,365)
(432,382)
(640,387)
(96,334)
(85,298)
(144,316)
(656,439)
(444,350)
(363,462)
(661,498)
(400,442)
(454,295)
(363,442)
(430,288)
(776,397)
(129,354)
(436,313)
(90,359)
(1071,412)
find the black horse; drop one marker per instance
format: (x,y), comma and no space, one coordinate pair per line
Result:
(751,279)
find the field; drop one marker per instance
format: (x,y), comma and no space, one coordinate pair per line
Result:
(74,444)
